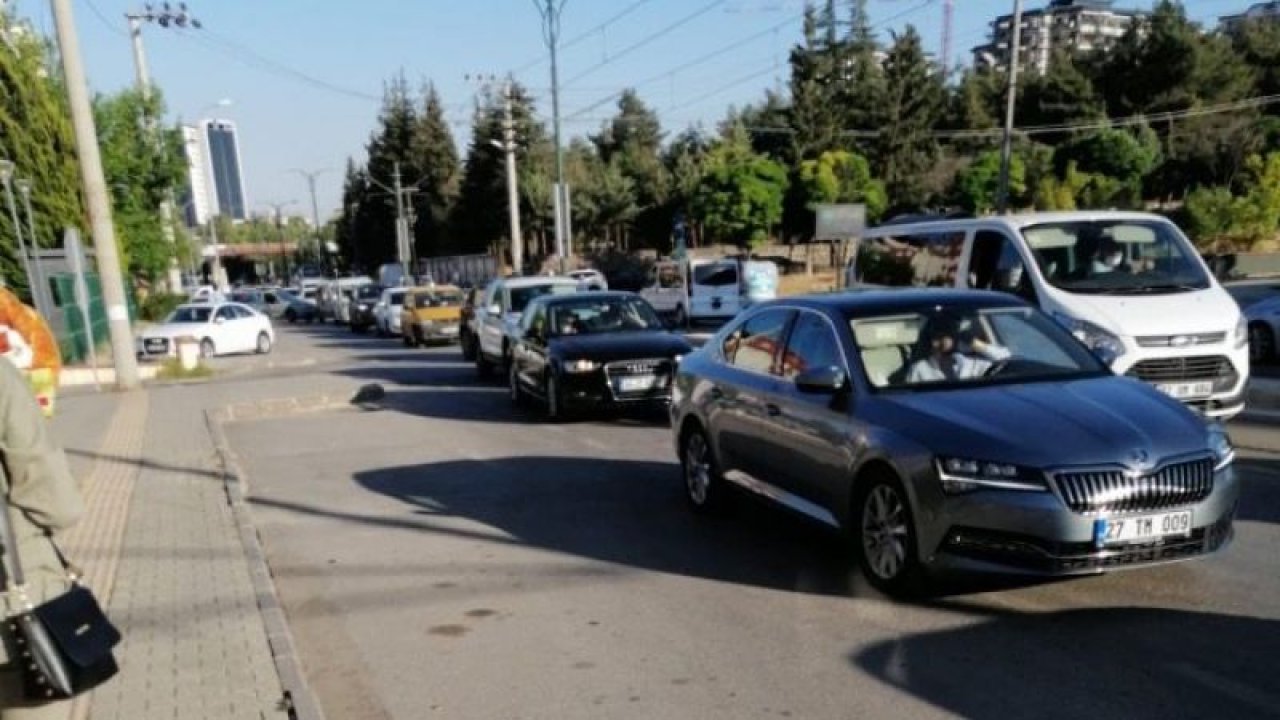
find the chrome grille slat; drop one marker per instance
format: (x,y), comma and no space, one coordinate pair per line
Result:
(1095,491)
(1204,367)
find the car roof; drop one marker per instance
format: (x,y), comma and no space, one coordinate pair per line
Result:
(1020,220)
(592,295)
(536,280)
(875,302)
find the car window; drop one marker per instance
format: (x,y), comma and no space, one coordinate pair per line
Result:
(716,274)
(190,315)
(668,277)
(591,315)
(921,259)
(996,264)
(521,296)
(226,313)
(396,298)
(754,344)
(243,312)
(812,345)
(270,298)
(1116,257)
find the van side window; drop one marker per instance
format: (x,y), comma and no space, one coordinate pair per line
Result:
(911,259)
(996,264)
(668,277)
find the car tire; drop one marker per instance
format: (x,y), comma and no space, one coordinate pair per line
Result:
(291,316)
(468,347)
(1262,343)
(207,348)
(263,346)
(703,485)
(484,368)
(408,341)
(884,536)
(555,403)
(518,397)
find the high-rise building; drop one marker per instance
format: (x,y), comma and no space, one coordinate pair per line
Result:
(1080,26)
(215,179)
(1260,11)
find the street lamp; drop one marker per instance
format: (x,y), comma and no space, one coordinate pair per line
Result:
(40,291)
(6,177)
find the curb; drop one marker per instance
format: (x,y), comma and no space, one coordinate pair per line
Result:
(79,377)
(299,698)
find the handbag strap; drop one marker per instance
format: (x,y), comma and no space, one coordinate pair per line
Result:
(10,542)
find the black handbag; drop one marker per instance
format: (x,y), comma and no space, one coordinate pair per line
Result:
(64,646)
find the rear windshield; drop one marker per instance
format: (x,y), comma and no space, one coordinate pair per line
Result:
(520,297)
(716,274)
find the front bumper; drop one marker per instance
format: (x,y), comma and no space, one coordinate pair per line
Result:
(1035,533)
(598,389)
(148,348)
(430,330)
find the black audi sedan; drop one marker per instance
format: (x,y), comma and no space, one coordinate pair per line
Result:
(589,350)
(950,429)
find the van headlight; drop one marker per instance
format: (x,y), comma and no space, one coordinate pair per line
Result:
(1241,335)
(965,475)
(1106,345)
(1223,453)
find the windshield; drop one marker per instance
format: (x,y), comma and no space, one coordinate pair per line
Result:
(521,296)
(426,300)
(248,298)
(1119,257)
(716,274)
(596,317)
(396,298)
(940,347)
(368,292)
(190,315)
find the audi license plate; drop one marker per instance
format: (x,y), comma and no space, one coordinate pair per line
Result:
(1184,391)
(156,345)
(1141,528)
(638,383)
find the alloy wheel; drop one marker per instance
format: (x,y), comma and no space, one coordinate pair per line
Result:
(697,469)
(885,535)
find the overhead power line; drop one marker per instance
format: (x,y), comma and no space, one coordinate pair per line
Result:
(251,58)
(575,40)
(648,39)
(725,49)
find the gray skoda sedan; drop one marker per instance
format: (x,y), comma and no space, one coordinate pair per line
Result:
(949,429)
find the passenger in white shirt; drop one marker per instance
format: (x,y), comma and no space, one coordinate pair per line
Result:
(949,360)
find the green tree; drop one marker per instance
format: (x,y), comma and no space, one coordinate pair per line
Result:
(978,184)
(433,158)
(36,134)
(815,113)
(1127,157)
(841,176)
(1064,95)
(740,197)
(914,96)
(141,167)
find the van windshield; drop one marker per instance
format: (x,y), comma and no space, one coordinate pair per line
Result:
(1116,257)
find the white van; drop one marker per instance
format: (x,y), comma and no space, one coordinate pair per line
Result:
(1129,285)
(336,297)
(714,290)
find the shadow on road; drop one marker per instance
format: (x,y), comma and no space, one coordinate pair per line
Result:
(1259,490)
(1108,662)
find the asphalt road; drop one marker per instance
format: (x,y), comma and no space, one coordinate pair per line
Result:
(451,557)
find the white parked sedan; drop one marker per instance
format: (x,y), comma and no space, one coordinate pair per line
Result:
(220,328)
(386,314)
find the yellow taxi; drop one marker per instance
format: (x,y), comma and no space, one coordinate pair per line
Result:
(431,313)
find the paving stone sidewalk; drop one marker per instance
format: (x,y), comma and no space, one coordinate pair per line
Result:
(162,546)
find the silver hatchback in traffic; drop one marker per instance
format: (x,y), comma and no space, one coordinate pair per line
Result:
(950,429)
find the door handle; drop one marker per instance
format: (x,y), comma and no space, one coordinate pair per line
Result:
(772,410)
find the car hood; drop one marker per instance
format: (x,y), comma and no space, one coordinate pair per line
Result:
(1081,422)
(1184,313)
(608,347)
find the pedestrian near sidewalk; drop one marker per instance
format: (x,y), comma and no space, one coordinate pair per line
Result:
(42,499)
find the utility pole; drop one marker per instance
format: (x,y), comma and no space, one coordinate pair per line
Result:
(164,17)
(404,239)
(311,176)
(278,210)
(551,33)
(95,191)
(513,196)
(1006,147)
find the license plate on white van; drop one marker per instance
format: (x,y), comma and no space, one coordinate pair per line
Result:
(1184,391)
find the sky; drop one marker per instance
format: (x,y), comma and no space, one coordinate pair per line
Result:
(304,78)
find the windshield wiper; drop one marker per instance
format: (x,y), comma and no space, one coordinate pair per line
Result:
(1166,287)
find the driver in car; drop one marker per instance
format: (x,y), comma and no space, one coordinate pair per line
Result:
(953,355)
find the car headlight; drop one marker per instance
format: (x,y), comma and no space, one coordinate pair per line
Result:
(964,475)
(1241,335)
(362,307)
(581,366)
(1223,453)
(1107,346)
(676,359)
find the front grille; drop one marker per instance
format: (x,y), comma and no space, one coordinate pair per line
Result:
(1182,369)
(1181,340)
(1115,491)
(648,366)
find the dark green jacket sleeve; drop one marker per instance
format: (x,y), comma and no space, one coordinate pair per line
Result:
(39,480)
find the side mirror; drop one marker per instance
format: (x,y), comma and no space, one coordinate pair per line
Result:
(219,320)
(494,309)
(822,381)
